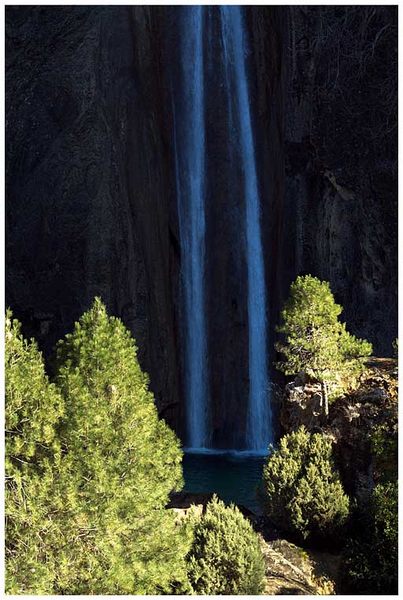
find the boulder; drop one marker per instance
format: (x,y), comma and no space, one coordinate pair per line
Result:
(302,405)
(291,570)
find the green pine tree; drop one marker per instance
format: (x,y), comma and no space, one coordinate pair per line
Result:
(303,492)
(317,343)
(33,407)
(89,467)
(123,461)
(226,557)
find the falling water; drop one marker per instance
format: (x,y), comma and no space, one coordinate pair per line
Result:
(259,426)
(190,167)
(190,149)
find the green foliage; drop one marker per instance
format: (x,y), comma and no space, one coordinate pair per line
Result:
(395,347)
(93,521)
(303,491)
(124,462)
(384,446)
(33,407)
(317,343)
(385,510)
(226,557)
(383,434)
(370,560)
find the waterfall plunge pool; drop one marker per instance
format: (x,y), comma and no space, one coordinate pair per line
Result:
(234,476)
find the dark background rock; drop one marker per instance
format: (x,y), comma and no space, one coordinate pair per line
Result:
(91,206)
(88,184)
(341,160)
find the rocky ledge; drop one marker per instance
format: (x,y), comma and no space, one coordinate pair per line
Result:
(352,419)
(292,570)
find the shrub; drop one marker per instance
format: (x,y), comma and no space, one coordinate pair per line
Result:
(303,492)
(33,405)
(370,560)
(384,446)
(226,557)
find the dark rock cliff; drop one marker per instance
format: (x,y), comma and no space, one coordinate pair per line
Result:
(91,206)
(88,184)
(341,160)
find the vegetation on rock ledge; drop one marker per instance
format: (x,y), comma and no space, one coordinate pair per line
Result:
(317,343)
(90,466)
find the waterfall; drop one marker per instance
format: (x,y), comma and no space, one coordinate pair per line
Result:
(190,168)
(191,95)
(258,426)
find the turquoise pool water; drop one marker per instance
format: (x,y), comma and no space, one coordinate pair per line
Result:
(235,477)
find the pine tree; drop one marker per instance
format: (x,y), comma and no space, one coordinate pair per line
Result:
(123,460)
(317,343)
(89,469)
(33,408)
(303,492)
(33,405)
(226,557)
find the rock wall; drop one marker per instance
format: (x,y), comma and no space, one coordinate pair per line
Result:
(88,183)
(91,206)
(341,161)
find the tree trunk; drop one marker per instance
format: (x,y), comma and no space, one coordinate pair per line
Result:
(325,398)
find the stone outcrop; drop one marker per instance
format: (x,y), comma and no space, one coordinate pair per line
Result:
(352,422)
(302,404)
(292,570)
